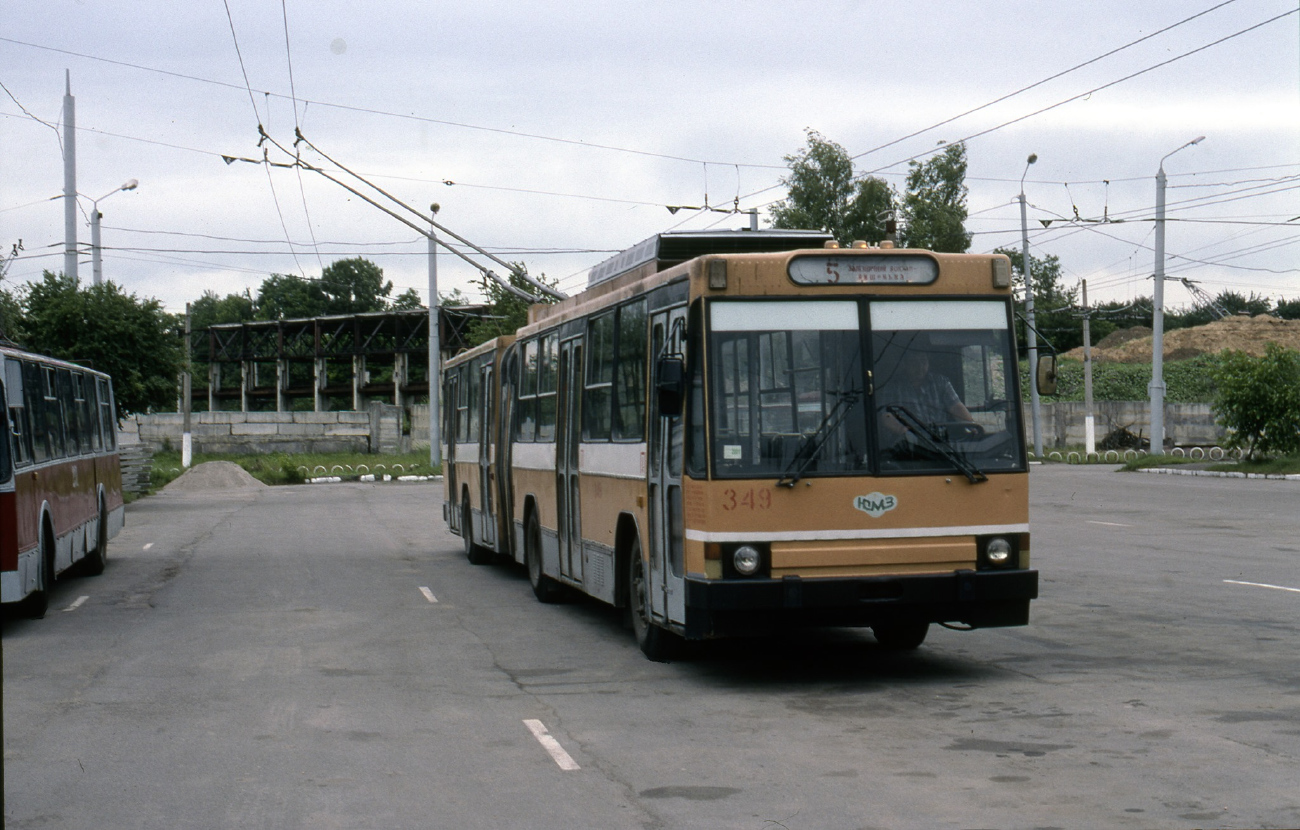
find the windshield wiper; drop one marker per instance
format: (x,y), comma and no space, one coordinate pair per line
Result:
(813,443)
(936,443)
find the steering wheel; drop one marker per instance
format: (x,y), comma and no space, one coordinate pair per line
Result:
(964,430)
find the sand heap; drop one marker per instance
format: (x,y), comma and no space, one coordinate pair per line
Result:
(1239,333)
(213,475)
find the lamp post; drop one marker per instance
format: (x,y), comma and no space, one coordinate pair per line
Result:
(96,265)
(1156,389)
(1034,403)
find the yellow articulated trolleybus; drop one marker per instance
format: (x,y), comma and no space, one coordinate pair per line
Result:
(734,434)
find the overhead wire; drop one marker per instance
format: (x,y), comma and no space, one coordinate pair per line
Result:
(1046,80)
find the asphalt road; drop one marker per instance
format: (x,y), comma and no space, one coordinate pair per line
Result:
(324,657)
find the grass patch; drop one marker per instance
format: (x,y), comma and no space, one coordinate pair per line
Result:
(1143,462)
(1287,465)
(284,468)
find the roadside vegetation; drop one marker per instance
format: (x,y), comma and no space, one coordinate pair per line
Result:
(283,468)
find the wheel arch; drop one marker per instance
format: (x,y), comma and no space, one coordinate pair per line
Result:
(626,537)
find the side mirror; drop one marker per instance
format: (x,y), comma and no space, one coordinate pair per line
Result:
(1046,375)
(670,374)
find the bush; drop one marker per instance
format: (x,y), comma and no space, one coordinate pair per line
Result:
(1259,400)
(1186,381)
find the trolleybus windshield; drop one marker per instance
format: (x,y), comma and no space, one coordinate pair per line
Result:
(792,396)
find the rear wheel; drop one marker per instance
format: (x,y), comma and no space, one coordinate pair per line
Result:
(658,644)
(901,636)
(38,601)
(544,588)
(476,554)
(96,558)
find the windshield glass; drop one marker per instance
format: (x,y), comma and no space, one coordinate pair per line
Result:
(789,395)
(787,388)
(943,386)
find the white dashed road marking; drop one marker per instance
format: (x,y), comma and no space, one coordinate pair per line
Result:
(1263,585)
(1107,524)
(74,606)
(551,745)
(428,594)
(146,547)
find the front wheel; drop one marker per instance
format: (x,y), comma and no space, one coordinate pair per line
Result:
(544,588)
(476,554)
(657,643)
(901,636)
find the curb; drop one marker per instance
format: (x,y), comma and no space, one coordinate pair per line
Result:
(1167,471)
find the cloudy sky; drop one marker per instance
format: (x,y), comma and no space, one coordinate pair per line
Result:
(558,133)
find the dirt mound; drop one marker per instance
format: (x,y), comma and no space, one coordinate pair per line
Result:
(213,475)
(1241,333)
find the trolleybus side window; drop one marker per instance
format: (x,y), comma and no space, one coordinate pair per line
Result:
(107,419)
(462,406)
(22,439)
(71,414)
(630,422)
(5,467)
(527,408)
(597,403)
(547,371)
(474,384)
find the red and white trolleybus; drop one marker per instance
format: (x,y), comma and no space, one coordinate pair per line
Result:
(60,476)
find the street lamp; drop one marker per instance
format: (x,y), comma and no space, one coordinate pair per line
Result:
(1035,404)
(1156,389)
(96,266)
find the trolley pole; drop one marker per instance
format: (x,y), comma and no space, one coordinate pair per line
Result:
(435,351)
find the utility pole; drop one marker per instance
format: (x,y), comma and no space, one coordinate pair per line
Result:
(1035,404)
(1156,389)
(187,441)
(1089,424)
(69,180)
(435,351)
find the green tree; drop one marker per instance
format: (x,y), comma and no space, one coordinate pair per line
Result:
(506,313)
(286,297)
(1054,305)
(102,327)
(211,309)
(934,207)
(354,286)
(408,300)
(1259,400)
(824,195)
(11,317)
(1288,309)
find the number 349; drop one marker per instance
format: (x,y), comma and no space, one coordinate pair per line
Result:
(751,499)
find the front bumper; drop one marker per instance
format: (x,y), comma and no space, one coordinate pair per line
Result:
(981,599)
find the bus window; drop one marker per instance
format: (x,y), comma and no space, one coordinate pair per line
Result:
(546,388)
(630,424)
(473,385)
(528,394)
(21,443)
(71,413)
(598,398)
(107,418)
(6,468)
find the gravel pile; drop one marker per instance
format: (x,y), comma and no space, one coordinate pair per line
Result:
(213,475)
(1244,334)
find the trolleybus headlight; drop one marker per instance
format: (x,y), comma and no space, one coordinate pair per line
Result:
(747,560)
(998,553)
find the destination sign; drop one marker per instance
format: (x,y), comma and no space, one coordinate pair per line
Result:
(868,269)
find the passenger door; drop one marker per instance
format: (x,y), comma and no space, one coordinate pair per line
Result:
(568,434)
(487,438)
(666,578)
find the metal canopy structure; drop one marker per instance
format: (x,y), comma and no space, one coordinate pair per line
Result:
(348,359)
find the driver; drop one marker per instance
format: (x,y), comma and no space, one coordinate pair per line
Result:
(930,397)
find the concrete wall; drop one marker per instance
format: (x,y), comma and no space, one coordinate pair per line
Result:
(1186,424)
(377,430)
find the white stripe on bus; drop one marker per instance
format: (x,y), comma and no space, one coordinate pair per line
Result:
(839,535)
